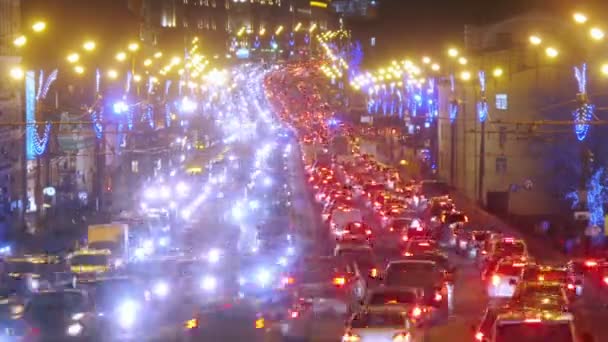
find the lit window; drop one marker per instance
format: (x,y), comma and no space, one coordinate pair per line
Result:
(502,101)
(200,24)
(185,2)
(213,26)
(213,3)
(185,23)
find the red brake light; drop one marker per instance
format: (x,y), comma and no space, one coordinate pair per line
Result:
(368,232)
(518,264)
(541,278)
(33,331)
(339,281)
(424,244)
(570,286)
(405,238)
(288,281)
(416,312)
(294,314)
(495,280)
(605,280)
(438,297)
(590,263)
(532,320)
(479,336)
(374,272)
(408,254)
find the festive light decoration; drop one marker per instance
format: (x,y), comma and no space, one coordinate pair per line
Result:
(482,105)
(35,145)
(97,80)
(585,111)
(256,43)
(97,124)
(39,143)
(597,196)
(149,115)
(45,85)
(453,111)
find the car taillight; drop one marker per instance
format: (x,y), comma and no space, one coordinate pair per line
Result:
(373,273)
(532,320)
(350,337)
(294,314)
(438,297)
(541,278)
(605,280)
(339,281)
(416,312)
(495,280)
(33,331)
(288,280)
(368,232)
(479,336)
(405,238)
(408,254)
(590,263)
(570,286)
(191,324)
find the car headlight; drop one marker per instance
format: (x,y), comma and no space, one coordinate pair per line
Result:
(263,278)
(127,312)
(209,283)
(214,256)
(77,316)
(161,289)
(74,329)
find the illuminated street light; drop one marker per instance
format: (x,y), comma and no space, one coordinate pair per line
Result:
(39,26)
(121,56)
(158,55)
(20,41)
(452,52)
(579,18)
(426,60)
(535,40)
(497,72)
(313,27)
(73,57)
(112,74)
(175,60)
(79,69)
(147,62)
(551,52)
(278,30)
(465,76)
(89,45)
(435,67)
(262,31)
(17,73)
(605,69)
(596,33)
(462,61)
(136,78)
(133,47)
(298,27)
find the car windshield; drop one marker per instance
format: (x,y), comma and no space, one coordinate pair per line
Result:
(509,270)
(453,218)
(551,275)
(90,259)
(534,332)
(21,267)
(540,290)
(510,248)
(392,297)
(376,320)
(107,289)
(402,223)
(45,303)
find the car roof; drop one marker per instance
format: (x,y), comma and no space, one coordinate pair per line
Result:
(515,316)
(411,261)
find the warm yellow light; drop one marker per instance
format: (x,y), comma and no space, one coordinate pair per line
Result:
(279,30)
(73,57)
(20,41)
(605,69)
(39,26)
(579,18)
(158,55)
(262,31)
(112,74)
(147,62)
(133,47)
(121,56)
(596,33)
(79,69)
(497,72)
(551,52)
(312,28)
(465,76)
(154,79)
(175,60)
(435,67)
(452,52)
(426,60)
(462,61)
(136,78)
(535,40)
(298,27)
(89,45)
(17,73)
(319,4)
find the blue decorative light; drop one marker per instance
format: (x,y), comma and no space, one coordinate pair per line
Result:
(306,39)
(120,107)
(149,114)
(40,143)
(256,43)
(97,124)
(34,144)
(482,106)
(597,196)
(585,112)
(167,115)
(452,111)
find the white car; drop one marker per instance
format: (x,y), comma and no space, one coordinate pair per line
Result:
(380,326)
(341,216)
(503,280)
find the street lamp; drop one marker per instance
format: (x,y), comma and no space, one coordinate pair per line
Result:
(89,45)
(551,52)
(147,62)
(121,56)
(452,52)
(462,61)
(579,18)
(133,47)
(112,74)
(73,57)
(39,26)
(465,76)
(158,55)
(535,40)
(136,78)
(596,33)
(426,60)
(17,73)
(79,69)
(605,69)
(435,67)
(20,41)
(497,72)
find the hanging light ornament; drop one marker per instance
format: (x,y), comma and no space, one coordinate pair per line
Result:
(482,105)
(97,123)
(584,113)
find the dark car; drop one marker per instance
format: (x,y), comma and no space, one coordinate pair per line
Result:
(60,315)
(12,325)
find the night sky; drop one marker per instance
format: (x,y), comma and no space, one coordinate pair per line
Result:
(427,26)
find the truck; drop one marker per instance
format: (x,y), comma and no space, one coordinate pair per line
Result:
(111,236)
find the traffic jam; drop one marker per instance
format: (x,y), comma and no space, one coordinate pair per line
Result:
(283,228)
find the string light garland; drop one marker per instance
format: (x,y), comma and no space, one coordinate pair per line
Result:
(482,105)
(585,111)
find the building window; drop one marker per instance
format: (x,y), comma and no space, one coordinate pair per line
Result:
(200,24)
(213,26)
(206,3)
(213,3)
(501,165)
(227,4)
(185,23)
(502,136)
(185,2)
(135,166)
(502,101)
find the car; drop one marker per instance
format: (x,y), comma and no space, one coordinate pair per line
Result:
(415,247)
(577,270)
(440,259)
(388,215)
(231,320)
(12,324)
(422,274)
(378,325)
(535,325)
(483,331)
(508,247)
(341,216)
(504,278)
(545,293)
(534,272)
(61,315)
(355,231)
(410,228)
(402,299)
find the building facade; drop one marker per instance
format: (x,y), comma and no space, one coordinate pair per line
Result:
(526,157)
